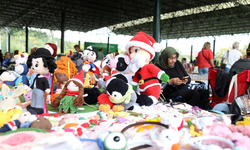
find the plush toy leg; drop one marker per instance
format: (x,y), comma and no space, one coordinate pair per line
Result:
(104,99)
(150,96)
(4,129)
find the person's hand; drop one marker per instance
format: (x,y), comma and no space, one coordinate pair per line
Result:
(175,81)
(184,81)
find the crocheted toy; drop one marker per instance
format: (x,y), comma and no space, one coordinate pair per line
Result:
(21,57)
(77,59)
(141,49)
(66,69)
(41,62)
(89,63)
(118,92)
(7,77)
(72,95)
(22,69)
(10,100)
(22,121)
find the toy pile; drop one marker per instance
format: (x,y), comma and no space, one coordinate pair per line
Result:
(79,103)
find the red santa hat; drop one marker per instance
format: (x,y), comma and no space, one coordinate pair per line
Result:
(79,78)
(52,48)
(145,42)
(108,78)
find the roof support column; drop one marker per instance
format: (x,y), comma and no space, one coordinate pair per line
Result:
(214,47)
(191,55)
(8,41)
(156,25)
(27,38)
(108,46)
(62,31)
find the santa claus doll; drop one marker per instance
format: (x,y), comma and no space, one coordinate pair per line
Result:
(141,49)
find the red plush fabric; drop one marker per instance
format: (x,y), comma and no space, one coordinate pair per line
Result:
(104,99)
(153,91)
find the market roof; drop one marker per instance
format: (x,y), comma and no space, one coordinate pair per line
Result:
(180,18)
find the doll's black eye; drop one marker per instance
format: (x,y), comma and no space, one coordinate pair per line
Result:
(36,65)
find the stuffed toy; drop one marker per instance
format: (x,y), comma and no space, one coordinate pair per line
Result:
(22,69)
(21,58)
(104,66)
(10,100)
(7,77)
(146,76)
(9,114)
(89,63)
(22,121)
(66,69)
(52,48)
(41,62)
(77,59)
(118,92)
(72,95)
(41,123)
(85,53)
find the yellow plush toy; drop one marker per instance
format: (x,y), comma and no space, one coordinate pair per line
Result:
(9,114)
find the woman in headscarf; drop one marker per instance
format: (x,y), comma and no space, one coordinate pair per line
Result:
(177,85)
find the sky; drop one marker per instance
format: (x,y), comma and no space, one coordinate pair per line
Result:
(183,44)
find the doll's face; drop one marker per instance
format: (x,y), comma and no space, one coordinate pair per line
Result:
(61,77)
(38,66)
(24,117)
(91,56)
(72,87)
(141,52)
(85,54)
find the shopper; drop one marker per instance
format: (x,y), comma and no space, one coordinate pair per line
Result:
(241,64)
(205,59)
(232,56)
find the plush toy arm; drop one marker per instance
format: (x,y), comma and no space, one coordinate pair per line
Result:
(47,90)
(164,77)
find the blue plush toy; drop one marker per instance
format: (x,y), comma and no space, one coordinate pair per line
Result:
(22,69)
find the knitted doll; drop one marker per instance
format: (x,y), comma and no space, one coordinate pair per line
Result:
(91,58)
(41,62)
(66,69)
(71,97)
(141,49)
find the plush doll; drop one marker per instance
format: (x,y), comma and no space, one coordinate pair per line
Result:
(146,76)
(85,53)
(7,77)
(52,48)
(72,95)
(66,69)
(118,92)
(21,58)
(23,119)
(89,64)
(40,62)
(41,123)
(22,69)
(77,59)
(10,100)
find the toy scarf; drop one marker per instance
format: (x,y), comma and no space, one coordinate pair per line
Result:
(125,98)
(71,93)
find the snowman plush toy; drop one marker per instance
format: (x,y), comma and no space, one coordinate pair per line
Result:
(141,49)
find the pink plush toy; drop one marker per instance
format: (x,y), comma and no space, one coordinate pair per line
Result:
(28,96)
